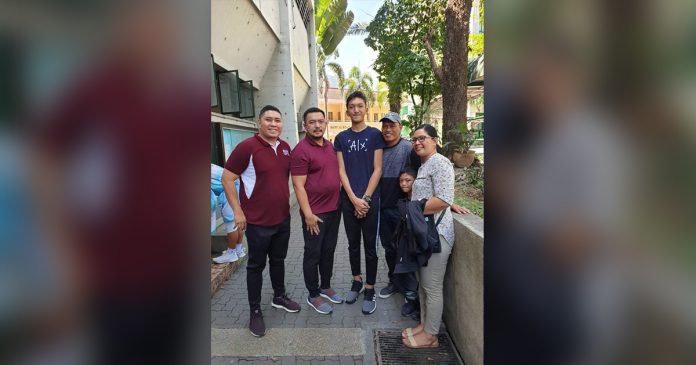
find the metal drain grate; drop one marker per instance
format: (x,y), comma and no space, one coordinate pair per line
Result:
(391,351)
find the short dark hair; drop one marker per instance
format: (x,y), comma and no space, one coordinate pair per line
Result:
(269,108)
(429,130)
(313,109)
(409,171)
(356,94)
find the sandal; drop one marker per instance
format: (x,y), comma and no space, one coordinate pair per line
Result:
(409,332)
(414,345)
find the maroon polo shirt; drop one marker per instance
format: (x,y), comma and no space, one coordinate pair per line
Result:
(264,173)
(320,165)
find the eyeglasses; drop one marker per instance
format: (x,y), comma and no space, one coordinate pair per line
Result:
(420,139)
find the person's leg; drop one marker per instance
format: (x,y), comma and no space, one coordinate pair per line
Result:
(353,229)
(370,227)
(232,238)
(389,218)
(432,277)
(352,226)
(276,260)
(332,221)
(277,252)
(259,239)
(312,257)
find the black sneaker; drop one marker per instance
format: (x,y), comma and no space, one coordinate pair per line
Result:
(256,325)
(370,302)
(387,291)
(355,289)
(286,303)
(408,308)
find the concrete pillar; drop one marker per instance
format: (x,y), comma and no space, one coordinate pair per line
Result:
(277,86)
(313,95)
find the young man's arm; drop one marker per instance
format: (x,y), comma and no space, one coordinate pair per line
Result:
(358,203)
(312,221)
(376,173)
(228,178)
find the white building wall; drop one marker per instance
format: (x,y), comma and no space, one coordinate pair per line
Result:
(300,44)
(267,42)
(241,39)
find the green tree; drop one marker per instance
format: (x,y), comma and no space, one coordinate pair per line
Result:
(382,94)
(452,73)
(396,33)
(337,70)
(332,23)
(361,81)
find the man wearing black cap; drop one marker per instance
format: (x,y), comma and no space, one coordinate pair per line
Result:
(395,159)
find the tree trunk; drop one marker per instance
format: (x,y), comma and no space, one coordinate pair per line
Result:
(394,97)
(326,96)
(454,63)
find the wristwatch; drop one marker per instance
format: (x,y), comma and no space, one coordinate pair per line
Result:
(367,198)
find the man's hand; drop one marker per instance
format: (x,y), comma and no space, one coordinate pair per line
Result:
(360,205)
(457,209)
(312,222)
(240,220)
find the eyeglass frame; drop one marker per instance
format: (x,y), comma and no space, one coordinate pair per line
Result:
(420,139)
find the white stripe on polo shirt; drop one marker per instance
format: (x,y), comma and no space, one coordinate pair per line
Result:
(249,177)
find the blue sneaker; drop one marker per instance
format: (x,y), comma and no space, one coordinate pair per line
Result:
(370,302)
(331,295)
(319,305)
(355,289)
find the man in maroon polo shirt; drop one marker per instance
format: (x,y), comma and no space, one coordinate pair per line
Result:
(262,210)
(317,184)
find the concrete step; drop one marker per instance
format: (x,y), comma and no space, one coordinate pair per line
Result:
(288,342)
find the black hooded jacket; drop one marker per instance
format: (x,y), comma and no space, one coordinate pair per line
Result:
(413,239)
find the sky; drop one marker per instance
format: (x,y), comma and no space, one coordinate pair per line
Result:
(352,49)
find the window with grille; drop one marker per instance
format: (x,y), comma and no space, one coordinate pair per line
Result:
(231,94)
(306,11)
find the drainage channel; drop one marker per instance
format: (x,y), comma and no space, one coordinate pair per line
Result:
(389,350)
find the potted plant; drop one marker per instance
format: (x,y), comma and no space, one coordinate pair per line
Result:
(458,148)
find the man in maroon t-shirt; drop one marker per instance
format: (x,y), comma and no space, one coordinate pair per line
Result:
(262,210)
(317,185)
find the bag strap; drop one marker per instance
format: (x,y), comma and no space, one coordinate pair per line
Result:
(440,219)
(432,181)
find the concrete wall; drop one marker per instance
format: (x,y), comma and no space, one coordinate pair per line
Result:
(463,289)
(242,39)
(300,43)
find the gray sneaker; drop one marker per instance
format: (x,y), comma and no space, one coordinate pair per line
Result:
(387,291)
(370,302)
(319,305)
(355,289)
(331,295)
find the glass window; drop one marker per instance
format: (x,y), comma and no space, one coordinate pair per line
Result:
(213,84)
(229,91)
(375,116)
(246,96)
(330,115)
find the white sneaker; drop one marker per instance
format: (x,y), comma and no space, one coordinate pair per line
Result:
(228,255)
(240,251)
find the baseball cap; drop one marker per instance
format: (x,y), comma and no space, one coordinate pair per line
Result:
(391,117)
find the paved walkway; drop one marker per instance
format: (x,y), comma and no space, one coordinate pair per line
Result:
(344,337)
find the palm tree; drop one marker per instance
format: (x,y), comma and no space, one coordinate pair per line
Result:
(382,94)
(332,22)
(359,81)
(324,78)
